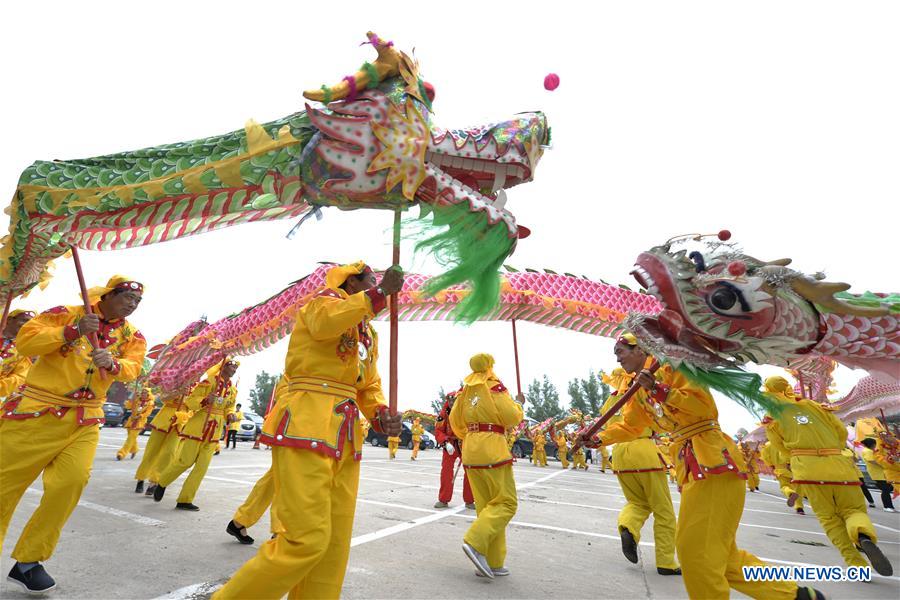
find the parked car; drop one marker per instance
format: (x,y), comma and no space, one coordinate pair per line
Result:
(380,439)
(114,414)
(257,420)
(247,431)
(524,447)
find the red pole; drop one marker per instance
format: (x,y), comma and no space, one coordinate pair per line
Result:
(395,330)
(6,314)
(92,337)
(516,354)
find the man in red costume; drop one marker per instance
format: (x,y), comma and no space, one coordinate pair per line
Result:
(451,456)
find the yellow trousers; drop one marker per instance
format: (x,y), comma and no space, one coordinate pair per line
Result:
(260,499)
(159,452)
(539,456)
(64,451)
(647,493)
(561,455)
(841,510)
(191,454)
(495,506)
(711,562)
(579,462)
(784,480)
(130,446)
(605,463)
(392,448)
(315,499)
(415,450)
(752,481)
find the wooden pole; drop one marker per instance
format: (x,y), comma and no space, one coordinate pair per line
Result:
(802,386)
(6,314)
(92,337)
(395,321)
(516,356)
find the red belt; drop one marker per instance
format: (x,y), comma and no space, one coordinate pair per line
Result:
(474,427)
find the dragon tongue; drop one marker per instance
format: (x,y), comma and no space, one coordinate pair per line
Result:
(671,323)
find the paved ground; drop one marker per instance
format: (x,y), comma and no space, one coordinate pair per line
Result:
(562,543)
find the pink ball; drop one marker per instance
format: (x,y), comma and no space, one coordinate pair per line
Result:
(551,82)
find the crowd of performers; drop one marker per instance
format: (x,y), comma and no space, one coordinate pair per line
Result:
(58,366)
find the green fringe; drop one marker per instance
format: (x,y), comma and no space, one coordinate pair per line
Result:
(473,249)
(743,387)
(372,72)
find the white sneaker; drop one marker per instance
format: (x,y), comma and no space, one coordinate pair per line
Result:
(440,504)
(889,510)
(501,572)
(479,560)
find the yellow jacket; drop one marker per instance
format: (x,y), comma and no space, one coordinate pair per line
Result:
(561,443)
(172,414)
(638,455)
(65,377)
(235,425)
(138,418)
(485,449)
(211,403)
(868,427)
(688,412)
(539,441)
(417,431)
(876,471)
(766,454)
(814,439)
(331,368)
(13,368)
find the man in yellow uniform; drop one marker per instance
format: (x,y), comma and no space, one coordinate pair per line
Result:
(234,426)
(711,472)
(539,452)
(642,477)
(875,465)
(393,444)
(164,442)
(780,465)
(53,427)
(13,366)
(417,431)
(140,407)
(814,439)
(850,454)
(331,368)
(578,459)
(480,418)
(605,463)
(750,456)
(212,402)
(562,448)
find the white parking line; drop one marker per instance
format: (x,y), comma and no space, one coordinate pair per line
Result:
(141,519)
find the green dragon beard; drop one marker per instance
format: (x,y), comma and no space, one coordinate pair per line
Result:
(741,386)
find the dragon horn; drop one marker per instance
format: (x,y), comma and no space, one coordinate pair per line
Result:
(387,65)
(822,293)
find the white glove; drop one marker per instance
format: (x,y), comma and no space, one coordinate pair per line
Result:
(450,449)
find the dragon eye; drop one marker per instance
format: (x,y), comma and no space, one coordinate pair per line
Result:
(723,298)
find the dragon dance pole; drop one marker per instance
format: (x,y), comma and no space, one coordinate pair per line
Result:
(392,397)
(802,386)
(516,355)
(92,337)
(595,427)
(5,314)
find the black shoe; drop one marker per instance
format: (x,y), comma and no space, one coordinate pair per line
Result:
(187,506)
(234,530)
(35,581)
(629,546)
(665,571)
(150,489)
(139,488)
(808,593)
(158,493)
(879,561)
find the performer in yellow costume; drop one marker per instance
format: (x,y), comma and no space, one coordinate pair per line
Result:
(140,407)
(869,427)
(539,451)
(642,477)
(315,437)
(780,464)
(393,444)
(814,438)
(480,418)
(53,426)
(234,426)
(875,464)
(164,442)
(750,456)
(605,463)
(212,401)
(13,366)
(711,473)
(417,431)
(578,459)
(562,449)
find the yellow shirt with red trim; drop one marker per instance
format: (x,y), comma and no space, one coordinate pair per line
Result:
(138,419)
(813,438)
(64,376)
(13,367)
(332,375)
(211,403)
(485,449)
(689,414)
(172,414)
(635,456)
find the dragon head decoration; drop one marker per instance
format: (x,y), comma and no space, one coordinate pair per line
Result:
(721,307)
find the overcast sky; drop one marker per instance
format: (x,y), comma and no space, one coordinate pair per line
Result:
(776,120)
